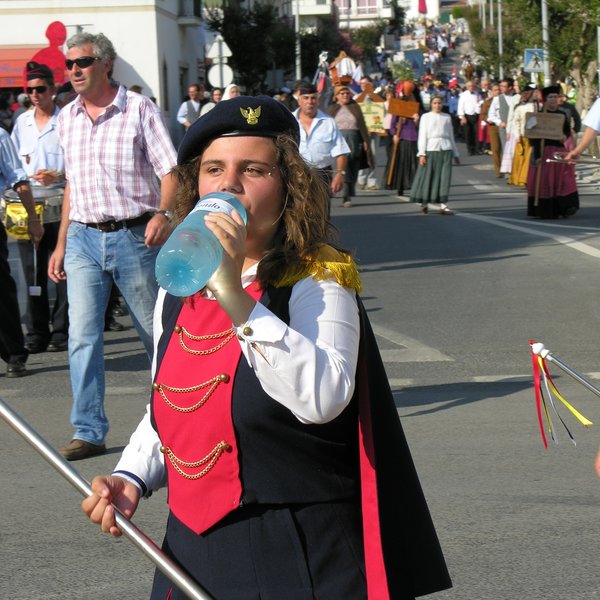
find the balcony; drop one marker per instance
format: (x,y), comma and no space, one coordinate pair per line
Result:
(315,8)
(189,13)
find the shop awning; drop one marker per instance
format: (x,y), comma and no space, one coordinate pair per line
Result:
(12,64)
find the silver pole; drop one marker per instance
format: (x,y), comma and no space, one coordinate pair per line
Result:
(491,13)
(546,43)
(298,52)
(500,47)
(187,585)
(576,376)
(484,5)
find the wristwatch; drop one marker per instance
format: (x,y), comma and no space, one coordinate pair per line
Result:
(166,213)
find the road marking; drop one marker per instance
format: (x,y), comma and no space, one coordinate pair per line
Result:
(561,239)
(410,350)
(411,382)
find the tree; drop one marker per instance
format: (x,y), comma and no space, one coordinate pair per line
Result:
(366,39)
(572,40)
(259,40)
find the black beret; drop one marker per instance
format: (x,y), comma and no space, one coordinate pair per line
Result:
(260,116)
(38,71)
(307,88)
(551,89)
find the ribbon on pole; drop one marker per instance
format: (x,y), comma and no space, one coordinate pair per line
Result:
(181,579)
(542,380)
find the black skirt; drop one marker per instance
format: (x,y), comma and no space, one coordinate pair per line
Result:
(297,552)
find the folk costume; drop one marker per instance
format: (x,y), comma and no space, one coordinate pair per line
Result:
(436,142)
(288,472)
(405,164)
(243,471)
(556,187)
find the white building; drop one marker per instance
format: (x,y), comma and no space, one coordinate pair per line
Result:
(158,42)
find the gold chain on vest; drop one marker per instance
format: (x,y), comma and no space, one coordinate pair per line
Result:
(213,383)
(212,457)
(181,331)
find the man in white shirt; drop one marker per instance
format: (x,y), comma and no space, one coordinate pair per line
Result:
(591,132)
(469,105)
(321,143)
(37,143)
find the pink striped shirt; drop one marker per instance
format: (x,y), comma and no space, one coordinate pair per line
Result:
(114,164)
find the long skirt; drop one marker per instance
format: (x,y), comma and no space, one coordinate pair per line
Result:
(520,165)
(273,552)
(432,182)
(404,167)
(558,196)
(355,142)
(507,155)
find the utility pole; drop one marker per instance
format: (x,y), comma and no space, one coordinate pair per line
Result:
(500,48)
(298,54)
(546,44)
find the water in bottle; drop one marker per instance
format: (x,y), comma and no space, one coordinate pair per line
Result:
(192,253)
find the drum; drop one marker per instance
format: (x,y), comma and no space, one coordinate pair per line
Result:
(48,207)
(48,201)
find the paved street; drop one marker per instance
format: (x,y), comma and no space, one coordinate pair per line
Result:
(454,301)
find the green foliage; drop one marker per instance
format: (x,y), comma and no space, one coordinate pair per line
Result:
(312,44)
(571,29)
(366,39)
(259,40)
(402,70)
(398,19)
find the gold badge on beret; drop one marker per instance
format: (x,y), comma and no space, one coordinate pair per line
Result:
(251,114)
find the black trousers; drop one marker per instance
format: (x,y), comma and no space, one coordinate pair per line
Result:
(39,312)
(11,334)
(470,130)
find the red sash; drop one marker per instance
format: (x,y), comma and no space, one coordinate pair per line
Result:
(192,409)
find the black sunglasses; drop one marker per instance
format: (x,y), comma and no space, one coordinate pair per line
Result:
(83,62)
(40,89)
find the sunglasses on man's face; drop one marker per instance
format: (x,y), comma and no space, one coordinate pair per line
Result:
(40,89)
(83,62)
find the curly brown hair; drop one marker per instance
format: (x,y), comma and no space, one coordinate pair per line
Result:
(304,225)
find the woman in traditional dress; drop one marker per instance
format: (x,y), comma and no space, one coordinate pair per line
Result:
(551,186)
(522,155)
(404,131)
(261,382)
(436,152)
(350,121)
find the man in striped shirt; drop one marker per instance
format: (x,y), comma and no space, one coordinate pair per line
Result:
(118,158)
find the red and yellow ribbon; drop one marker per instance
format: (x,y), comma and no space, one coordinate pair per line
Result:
(543,380)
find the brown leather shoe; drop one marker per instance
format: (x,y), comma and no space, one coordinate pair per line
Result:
(79,449)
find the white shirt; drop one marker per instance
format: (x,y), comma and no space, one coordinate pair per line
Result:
(435,133)
(309,366)
(38,149)
(323,143)
(469,103)
(592,119)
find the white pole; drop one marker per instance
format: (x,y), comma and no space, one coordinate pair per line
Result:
(491,13)
(298,54)
(500,48)
(484,14)
(546,44)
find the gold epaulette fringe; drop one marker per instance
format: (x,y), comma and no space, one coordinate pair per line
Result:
(328,263)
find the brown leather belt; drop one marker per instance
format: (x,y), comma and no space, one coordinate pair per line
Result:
(113,225)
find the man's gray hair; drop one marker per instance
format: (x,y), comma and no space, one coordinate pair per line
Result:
(103,47)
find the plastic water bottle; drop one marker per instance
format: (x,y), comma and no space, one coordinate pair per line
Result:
(192,253)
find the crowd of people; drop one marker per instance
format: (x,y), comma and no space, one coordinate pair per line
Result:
(261,454)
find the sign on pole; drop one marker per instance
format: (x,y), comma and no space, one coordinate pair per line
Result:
(533,60)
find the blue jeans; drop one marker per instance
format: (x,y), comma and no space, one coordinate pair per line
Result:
(93,260)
